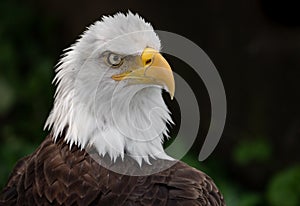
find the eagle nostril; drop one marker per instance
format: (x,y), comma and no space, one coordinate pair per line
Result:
(148,61)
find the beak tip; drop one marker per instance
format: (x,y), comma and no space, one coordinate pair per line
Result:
(171,93)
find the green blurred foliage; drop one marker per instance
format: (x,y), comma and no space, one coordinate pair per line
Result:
(284,187)
(255,150)
(27,39)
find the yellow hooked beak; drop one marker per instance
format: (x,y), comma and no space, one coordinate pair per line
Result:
(152,68)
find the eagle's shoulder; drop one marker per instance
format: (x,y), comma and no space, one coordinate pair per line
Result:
(54,175)
(9,193)
(180,184)
(190,186)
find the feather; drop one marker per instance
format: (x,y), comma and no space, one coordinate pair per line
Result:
(96,185)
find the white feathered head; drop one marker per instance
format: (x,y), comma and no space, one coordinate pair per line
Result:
(109,87)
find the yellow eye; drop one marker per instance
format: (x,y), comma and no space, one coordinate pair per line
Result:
(114,60)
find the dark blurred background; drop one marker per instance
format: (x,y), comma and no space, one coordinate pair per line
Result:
(255,46)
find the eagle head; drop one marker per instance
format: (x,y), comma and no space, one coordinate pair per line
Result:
(109,90)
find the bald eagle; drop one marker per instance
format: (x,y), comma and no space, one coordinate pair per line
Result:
(107,127)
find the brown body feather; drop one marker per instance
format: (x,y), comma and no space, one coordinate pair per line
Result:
(55,175)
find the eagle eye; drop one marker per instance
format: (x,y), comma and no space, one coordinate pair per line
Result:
(115,60)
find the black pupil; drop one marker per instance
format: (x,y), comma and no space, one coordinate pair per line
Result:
(116,59)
